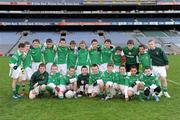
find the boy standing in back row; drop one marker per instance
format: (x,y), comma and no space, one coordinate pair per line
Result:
(49,54)
(159,65)
(62,51)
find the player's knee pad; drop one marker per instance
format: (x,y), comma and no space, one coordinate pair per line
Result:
(157,89)
(147,92)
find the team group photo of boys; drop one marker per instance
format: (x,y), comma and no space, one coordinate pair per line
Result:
(72,70)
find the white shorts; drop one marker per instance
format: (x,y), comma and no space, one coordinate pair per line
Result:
(103,67)
(62,68)
(109,83)
(28,74)
(62,88)
(133,89)
(160,71)
(93,89)
(78,71)
(122,88)
(21,74)
(35,66)
(48,67)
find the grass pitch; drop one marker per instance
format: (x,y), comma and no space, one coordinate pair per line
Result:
(90,109)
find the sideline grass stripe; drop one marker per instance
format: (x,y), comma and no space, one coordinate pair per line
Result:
(171,81)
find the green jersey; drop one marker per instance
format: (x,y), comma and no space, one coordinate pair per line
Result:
(106,55)
(131,55)
(94,77)
(72,57)
(16,59)
(36,54)
(27,61)
(67,78)
(120,78)
(62,52)
(130,80)
(117,58)
(95,56)
(158,57)
(40,78)
(150,80)
(55,78)
(49,55)
(83,57)
(145,60)
(108,77)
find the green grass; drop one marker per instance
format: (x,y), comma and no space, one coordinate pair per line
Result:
(89,109)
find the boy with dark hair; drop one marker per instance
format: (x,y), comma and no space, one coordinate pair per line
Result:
(135,86)
(16,65)
(95,53)
(96,85)
(49,54)
(53,84)
(131,54)
(144,58)
(62,51)
(109,80)
(38,81)
(82,81)
(36,54)
(72,55)
(106,52)
(82,57)
(152,84)
(69,81)
(118,58)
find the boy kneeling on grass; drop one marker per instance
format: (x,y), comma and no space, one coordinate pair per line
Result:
(96,84)
(152,84)
(38,81)
(53,85)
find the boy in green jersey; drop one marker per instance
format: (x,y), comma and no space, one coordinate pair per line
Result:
(69,81)
(118,58)
(95,53)
(54,81)
(49,54)
(36,54)
(26,69)
(159,65)
(16,65)
(152,84)
(38,81)
(144,58)
(62,51)
(131,54)
(135,86)
(106,55)
(72,55)
(96,85)
(120,76)
(109,80)
(82,57)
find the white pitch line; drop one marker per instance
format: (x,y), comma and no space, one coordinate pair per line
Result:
(176,83)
